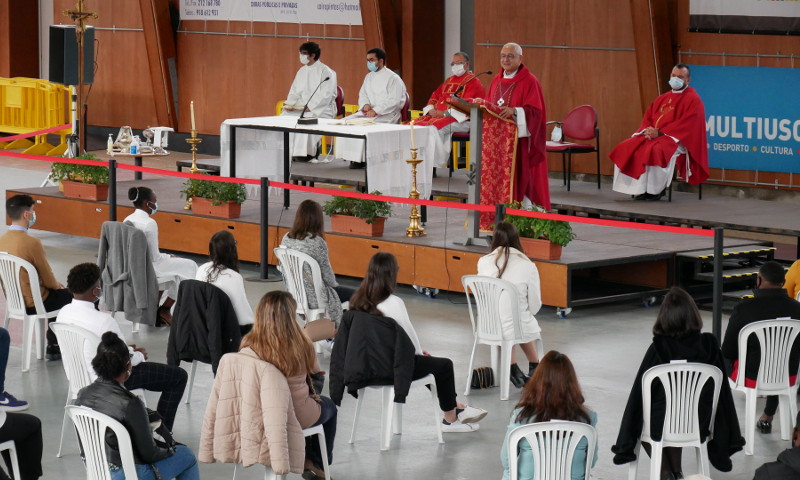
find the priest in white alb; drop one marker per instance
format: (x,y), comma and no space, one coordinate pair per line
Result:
(322,105)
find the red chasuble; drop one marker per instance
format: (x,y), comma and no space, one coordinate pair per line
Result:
(526,164)
(472,89)
(678,115)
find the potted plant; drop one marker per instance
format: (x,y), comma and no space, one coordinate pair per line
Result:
(541,238)
(357,216)
(215,199)
(88,182)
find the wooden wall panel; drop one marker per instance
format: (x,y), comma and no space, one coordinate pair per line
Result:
(19,38)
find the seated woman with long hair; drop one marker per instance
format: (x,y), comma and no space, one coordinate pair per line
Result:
(277,338)
(174,268)
(375,296)
(677,336)
(308,236)
(223,272)
(553,393)
(509,263)
(108,395)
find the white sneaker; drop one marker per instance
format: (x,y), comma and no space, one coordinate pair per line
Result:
(313,160)
(471,415)
(459,427)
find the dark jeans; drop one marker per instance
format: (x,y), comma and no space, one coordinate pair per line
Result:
(344,293)
(158,377)
(327,418)
(772,400)
(26,431)
(54,301)
(442,370)
(5,344)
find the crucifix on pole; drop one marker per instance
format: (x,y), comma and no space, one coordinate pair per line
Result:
(80,16)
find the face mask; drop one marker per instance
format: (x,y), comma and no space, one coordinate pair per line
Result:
(372,67)
(458,70)
(304,59)
(99,296)
(32,220)
(676,83)
(155,208)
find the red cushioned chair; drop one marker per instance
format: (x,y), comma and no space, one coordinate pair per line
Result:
(405,112)
(339,102)
(579,124)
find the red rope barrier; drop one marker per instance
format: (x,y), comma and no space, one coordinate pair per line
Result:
(37,133)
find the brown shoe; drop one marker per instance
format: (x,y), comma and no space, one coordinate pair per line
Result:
(164,317)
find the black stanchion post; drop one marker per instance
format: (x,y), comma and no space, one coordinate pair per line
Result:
(112,190)
(264,274)
(499,213)
(717,289)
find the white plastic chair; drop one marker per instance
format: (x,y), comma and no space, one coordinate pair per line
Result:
(487,327)
(91,426)
(682,382)
(392,413)
(12,452)
(553,445)
(308,432)
(293,265)
(775,338)
(34,326)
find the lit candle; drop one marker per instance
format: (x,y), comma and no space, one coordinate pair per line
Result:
(413,142)
(191,106)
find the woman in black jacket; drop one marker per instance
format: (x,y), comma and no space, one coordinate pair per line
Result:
(109,396)
(677,336)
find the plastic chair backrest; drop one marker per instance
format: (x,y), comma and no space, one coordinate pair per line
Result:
(296,266)
(682,384)
(489,294)
(73,339)
(279,107)
(405,115)
(91,426)
(580,123)
(10,270)
(775,338)
(339,101)
(553,445)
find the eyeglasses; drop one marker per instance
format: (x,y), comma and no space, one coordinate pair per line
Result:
(453,64)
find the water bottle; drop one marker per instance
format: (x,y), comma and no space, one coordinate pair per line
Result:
(135,145)
(110,145)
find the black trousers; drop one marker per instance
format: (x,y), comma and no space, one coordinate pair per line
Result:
(26,431)
(442,370)
(159,377)
(344,293)
(772,400)
(327,418)
(54,301)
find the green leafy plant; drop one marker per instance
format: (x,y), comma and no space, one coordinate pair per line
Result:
(91,174)
(557,231)
(217,192)
(369,210)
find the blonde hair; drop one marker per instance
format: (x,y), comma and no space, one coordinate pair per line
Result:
(277,338)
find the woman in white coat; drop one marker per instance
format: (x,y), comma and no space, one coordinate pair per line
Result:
(509,263)
(168,267)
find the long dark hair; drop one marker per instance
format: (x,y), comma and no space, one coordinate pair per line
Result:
(379,282)
(308,221)
(505,236)
(553,392)
(678,316)
(223,253)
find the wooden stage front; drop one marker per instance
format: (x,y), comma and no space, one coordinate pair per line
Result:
(602,264)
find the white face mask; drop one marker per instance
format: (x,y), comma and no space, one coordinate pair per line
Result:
(676,83)
(304,59)
(458,70)
(32,221)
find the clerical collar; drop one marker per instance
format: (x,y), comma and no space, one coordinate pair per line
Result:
(680,91)
(511,75)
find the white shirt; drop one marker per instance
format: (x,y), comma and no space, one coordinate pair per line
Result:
(232,284)
(385,92)
(394,308)
(142,220)
(83,314)
(323,103)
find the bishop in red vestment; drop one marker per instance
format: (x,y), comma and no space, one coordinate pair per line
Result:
(672,135)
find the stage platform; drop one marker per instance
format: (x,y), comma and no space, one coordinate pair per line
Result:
(603,264)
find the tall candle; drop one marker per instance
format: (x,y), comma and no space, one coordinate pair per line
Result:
(191,106)
(413,141)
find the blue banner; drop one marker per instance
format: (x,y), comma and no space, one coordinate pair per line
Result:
(752,116)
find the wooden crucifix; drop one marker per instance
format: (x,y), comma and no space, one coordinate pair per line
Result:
(80,16)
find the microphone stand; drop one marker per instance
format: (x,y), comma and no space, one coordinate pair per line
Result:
(313,120)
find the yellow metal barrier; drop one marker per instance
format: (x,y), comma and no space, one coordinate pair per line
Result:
(29,105)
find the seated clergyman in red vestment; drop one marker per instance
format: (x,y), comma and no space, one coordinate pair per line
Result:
(439,112)
(672,133)
(513,158)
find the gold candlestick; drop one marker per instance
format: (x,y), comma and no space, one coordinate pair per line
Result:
(414,225)
(193,141)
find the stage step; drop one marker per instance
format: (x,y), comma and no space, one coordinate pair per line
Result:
(738,294)
(740,266)
(741,251)
(730,273)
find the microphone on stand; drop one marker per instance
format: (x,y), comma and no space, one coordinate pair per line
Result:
(463,85)
(313,120)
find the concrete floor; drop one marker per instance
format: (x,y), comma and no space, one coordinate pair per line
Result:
(605,343)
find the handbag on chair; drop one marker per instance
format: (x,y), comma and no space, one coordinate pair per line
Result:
(320,329)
